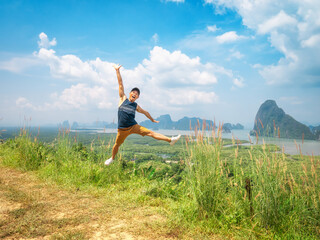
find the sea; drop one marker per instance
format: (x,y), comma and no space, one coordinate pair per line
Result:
(289,146)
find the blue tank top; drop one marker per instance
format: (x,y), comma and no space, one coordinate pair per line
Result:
(126,114)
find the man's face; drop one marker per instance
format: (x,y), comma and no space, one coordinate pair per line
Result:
(133,95)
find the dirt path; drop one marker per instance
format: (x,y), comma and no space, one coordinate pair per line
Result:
(32,209)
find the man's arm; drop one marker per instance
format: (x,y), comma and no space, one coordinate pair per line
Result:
(121,88)
(140,110)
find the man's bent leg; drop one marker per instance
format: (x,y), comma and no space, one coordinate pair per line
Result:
(115,150)
(121,136)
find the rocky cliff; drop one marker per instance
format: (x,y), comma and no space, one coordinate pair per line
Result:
(272,121)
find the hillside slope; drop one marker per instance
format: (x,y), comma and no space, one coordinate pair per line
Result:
(32,209)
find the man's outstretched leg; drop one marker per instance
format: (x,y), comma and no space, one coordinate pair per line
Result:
(159,136)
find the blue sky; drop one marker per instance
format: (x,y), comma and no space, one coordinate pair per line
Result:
(211,59)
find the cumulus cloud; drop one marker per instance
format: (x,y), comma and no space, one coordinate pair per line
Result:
(212,28)
(45,42)
(238,82)
(236,54)
(80,96)
(312,42)
(175,69)
(167,80)
(293,29)
(228,37)
(72,67)
(23,103)
(276,22)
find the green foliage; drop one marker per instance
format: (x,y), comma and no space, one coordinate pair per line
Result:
(254,187)
(255,191)
(26,154)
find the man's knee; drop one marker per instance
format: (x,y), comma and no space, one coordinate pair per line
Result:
(150,134)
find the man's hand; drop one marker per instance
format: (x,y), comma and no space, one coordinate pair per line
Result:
(117,66)
(155,121)
(121,88)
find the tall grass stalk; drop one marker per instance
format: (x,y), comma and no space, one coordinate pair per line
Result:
(204,170)
(256,189)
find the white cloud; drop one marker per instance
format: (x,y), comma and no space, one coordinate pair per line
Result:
(228,37)
(177,1)
(236,54)
(44,41)
(238,82)
(81,96)
(280,73)
(23,103)
(173,79)
(293,28)
(167,79)
(20,64)
(71,67)
(313,41)
(278,21)
(155,38)
(212,28)
(176,68)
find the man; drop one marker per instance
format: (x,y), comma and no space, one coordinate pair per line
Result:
(126,122)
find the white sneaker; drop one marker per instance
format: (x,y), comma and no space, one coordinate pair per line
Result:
(174,139)
(108,162)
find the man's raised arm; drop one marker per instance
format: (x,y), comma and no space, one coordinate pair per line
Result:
(147,114)
(121,89)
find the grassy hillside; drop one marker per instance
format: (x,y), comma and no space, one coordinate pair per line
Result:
(204,189)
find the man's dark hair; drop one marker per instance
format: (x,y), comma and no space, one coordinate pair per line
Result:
(136,89)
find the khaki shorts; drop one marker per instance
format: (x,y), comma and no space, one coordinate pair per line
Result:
(123,133)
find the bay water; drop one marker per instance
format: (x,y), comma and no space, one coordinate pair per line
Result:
(290,146)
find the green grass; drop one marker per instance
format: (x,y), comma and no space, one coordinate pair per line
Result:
(238,192)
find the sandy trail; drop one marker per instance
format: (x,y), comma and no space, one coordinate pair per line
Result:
(33,209)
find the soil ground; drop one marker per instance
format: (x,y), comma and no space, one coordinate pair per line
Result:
(35,209)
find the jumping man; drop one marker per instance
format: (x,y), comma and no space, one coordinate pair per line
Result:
(127,124)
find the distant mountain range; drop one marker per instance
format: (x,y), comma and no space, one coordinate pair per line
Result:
(186,123)
(165,122)
(97,124)
(272,121)
(315,131)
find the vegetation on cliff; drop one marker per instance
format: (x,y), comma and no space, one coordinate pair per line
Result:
(272,121)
